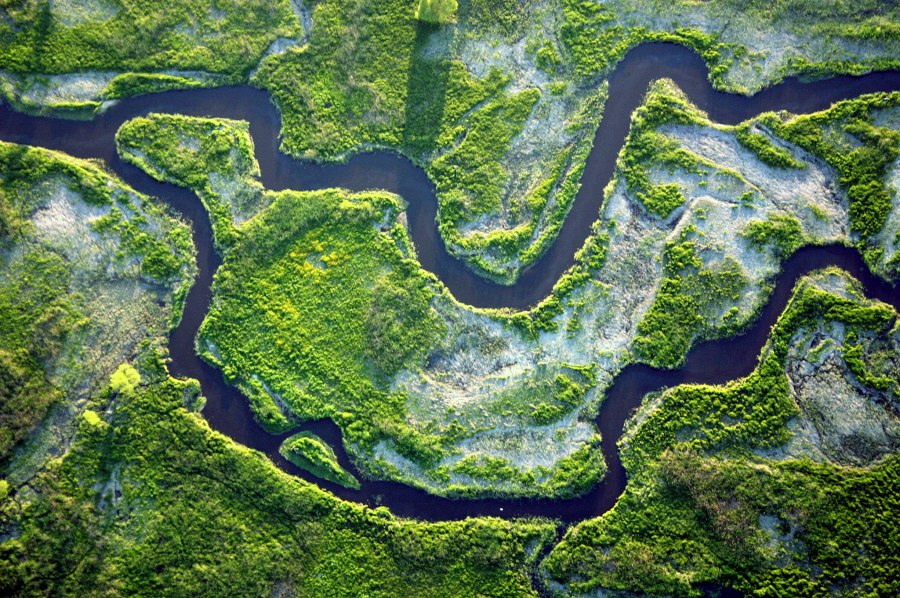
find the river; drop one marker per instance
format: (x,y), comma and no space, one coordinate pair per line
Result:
(228,411)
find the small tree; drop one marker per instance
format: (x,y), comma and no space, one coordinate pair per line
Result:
(125,379)
(439,12)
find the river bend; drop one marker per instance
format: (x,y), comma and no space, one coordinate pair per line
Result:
(228,411)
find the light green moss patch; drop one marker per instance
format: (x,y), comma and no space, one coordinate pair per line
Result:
(308,451)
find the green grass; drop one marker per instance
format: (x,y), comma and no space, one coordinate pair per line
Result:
(765,150)
(320,297)
(692,510)
(308,451)
(287,376)
(216,37)
(48,288)
(645,148)
(213,157)
(781,231)
(861,163)
(366,272)
(595,40)
(458,126)
(324,307)
(439,12)
(372,75)
(150,501)
(688,298)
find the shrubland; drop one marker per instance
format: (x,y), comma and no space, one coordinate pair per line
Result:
(437,11)
(91,273)
(689,289)
(704,506)
(846,136)
(308,451)
(316,311)
(149,500)
(322,311)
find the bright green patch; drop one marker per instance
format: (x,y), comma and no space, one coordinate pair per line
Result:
(781,231)
(308,451)
(124,379)
(690,296)
(213,157)
(218,37)
(765,150)
(439,12)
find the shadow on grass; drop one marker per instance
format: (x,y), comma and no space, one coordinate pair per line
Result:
(39,35)
(426,92)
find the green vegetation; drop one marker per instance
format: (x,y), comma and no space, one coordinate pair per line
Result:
(544,211)
(422,444)
(869,366)
(26,391)
(645,148)
(124,379)
(846,138)
(321,310)
(439,12)
(702,506)
(213,157)
(141,465)
(323,306)
(782,231)
(493,220)
(571,476)
(700,519)
(764,149)
(380,296)
(742,42)
(589,260)
(688,302)
(432,108)
(223,37)
(474,164)
(596,40)
(308,451)
(90,273)
(317,311)
(150,501)
(505,133)
(326,111)
(133,84)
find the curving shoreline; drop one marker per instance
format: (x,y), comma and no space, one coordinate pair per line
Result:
(228,412)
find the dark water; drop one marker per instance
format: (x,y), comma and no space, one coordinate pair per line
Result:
(713,362)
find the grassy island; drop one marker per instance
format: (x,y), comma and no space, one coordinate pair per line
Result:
(308,451)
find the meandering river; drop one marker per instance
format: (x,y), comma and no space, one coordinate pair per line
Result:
(228,411)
